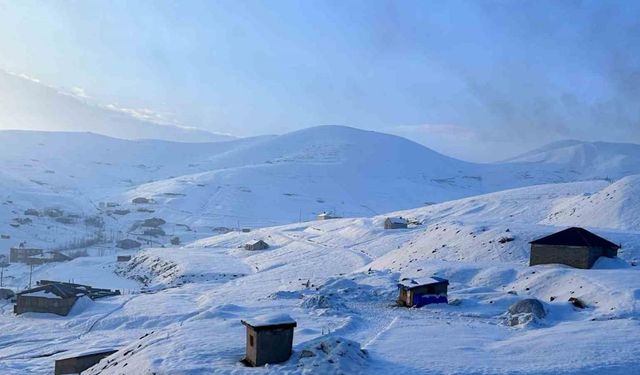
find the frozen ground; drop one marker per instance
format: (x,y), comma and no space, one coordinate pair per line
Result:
(182,309)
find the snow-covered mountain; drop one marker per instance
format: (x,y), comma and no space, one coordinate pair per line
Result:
(28,104)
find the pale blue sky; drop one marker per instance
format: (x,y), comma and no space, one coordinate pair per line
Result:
(459,76)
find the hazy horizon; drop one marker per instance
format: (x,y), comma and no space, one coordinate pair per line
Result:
(478,81)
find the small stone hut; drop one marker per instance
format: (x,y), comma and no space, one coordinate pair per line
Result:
(79,362)
(56,297)
(256,245)
(395,223)
(422,291)
(269,339)
(575,247)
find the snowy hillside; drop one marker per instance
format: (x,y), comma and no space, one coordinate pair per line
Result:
(617,207)
(586,159)
(28,104)
(337,278)
(203,188)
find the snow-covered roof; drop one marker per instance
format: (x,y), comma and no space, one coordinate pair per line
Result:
(42,293)
(270,320)
(253,242)
(86,352)
(412,283)
(397,220)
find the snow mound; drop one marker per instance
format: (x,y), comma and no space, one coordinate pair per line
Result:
(616,206)
(160,268)
(331,355)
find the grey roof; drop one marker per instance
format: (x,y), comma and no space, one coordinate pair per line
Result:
(68,290)
(575,236)
(397,220)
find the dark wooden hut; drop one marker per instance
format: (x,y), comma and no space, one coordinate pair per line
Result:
(269,339)
(575,247)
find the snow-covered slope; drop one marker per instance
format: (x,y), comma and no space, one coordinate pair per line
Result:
(586,159)
(617,206)
(29,104)
(337,278)
(250,182)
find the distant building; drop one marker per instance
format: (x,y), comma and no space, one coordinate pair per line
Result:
(327,216)
(6,293)
(127,244)
(140,200)
(22,254)
(124,258)
(48,257)
(269,339)
(81,361)
(423,291)
(575,247)
(395,223)
(56,297)
(256,245)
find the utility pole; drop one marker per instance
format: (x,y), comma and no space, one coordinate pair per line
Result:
(30,274)
(3,265)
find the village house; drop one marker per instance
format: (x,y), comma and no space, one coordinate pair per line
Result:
(124,258)
(127,244)
(269,339)
(256,245)
(327,216)
(575,247)
(79,362)
(6,293)
(22,254)
(140,200)
(395,223)
(417,293)
(56,297)
(48,257)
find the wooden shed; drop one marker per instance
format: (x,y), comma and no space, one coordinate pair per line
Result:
(420,292)
(78,362)
(395,223)
(575,247)
(256,245)
(269,339)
